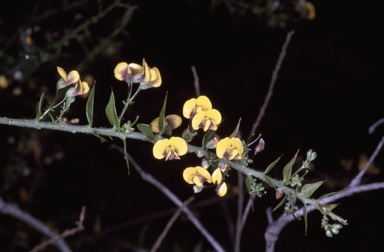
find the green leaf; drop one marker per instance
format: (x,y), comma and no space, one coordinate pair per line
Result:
(110,111)
(162,121)
(287,171)
(236,131)
(146,130)
(269,182)
(38,107)
(281,203)
(308,189)
(89,106)
(208,136)
(327,208)
(271,165)
(328,194)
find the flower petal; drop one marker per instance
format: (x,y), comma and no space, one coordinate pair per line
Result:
(198,120)
(222,147)
(62,73)
(180,145)
(174,121)
(160,148)
(222,189)
(121,71)
(217,176)
(204,102)
(188,174)
(73,77)
(189,107)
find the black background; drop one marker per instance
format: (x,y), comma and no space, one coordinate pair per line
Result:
(328,93)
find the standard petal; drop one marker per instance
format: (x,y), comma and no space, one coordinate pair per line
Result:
(188,174)
(174,121)
(189,107)
(204,173)
(222,189)
(204,102)
(155,125)
(62,73)
(160,148)
(222,147)
(73,77)
(217,176)
(198,119)
(214,115)
(121,71)
(180,145)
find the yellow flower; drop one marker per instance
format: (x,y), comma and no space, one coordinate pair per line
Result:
(80,89)
(217,176)
(170,149)
(171,122)
(71,78)
(311,10)
(151,78)
(193,106)
(196,175)
(130,73)
(231,148)
(206,120)
(222,189)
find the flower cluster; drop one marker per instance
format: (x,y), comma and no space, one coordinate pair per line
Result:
(73,78)
(201,114)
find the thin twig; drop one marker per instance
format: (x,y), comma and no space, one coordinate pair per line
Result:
(79,227)
(14,211)
(240,202)
(150,179)
(169,225)
(196,82)
(275,74)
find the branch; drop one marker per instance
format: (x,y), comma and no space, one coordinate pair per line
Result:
(14,211)
(169,225)
(79,227)
(150,179)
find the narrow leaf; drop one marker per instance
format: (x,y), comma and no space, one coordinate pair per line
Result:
(208,136)
(162,121)
(328,194)
(308,189)
(89,106)
(38,107)
(287,171)
(271,165)
(281,203)
(110,111)
(236,131)
(248,182)
(146,130)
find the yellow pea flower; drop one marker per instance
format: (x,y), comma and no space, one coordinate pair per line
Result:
(196,175)
(170,149)
(206,120)
(71,78)
(171,122)
(217,176)
(222,189)
(231,148)
(130,73)
(193,106)
(80,89)
(153,79)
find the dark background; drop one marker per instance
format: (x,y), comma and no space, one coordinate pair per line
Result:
(329,91)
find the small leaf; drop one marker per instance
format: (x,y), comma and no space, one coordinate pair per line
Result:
(89,106)
(97,134)
(327,208)
(146,130)
(328,194)
(271,165)
(269,182)
(236,131)
(162,122)
(110,111)
(287,171)
(281,203)
(308,189)
(208,136)
(38,107)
